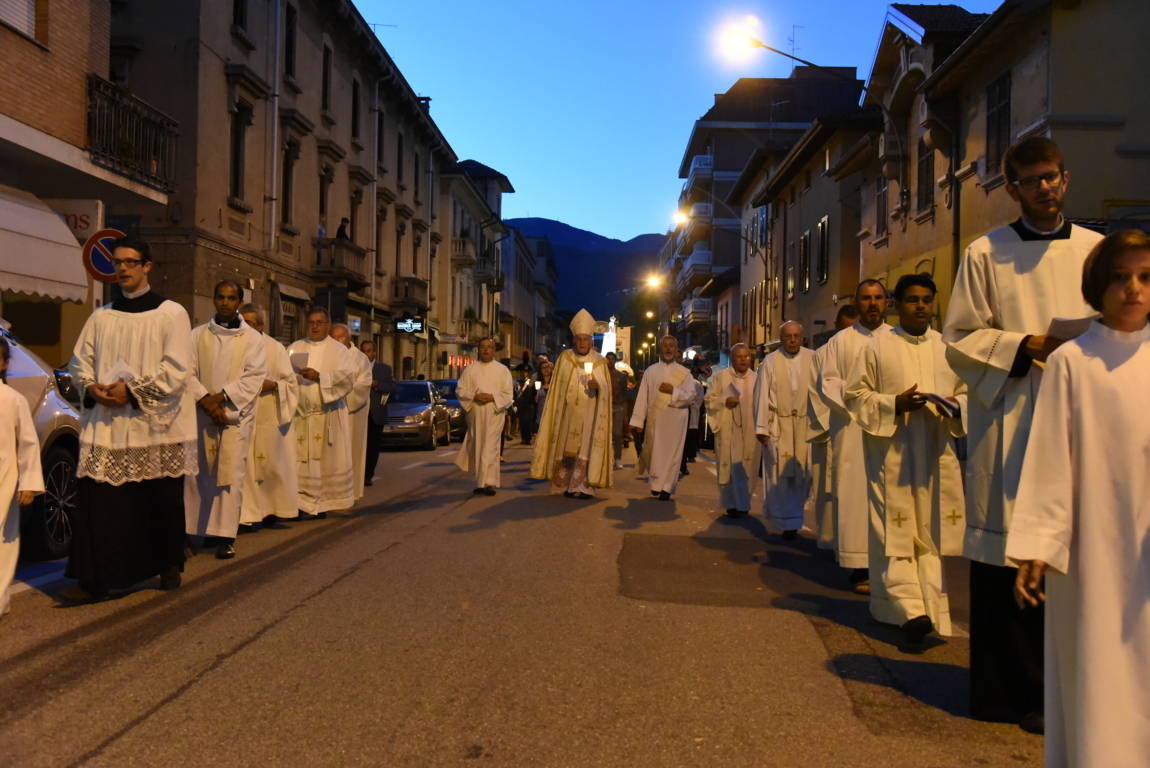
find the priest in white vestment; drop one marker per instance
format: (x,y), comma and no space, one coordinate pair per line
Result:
(1011,284)
(131,364)
(322,428)
(573,445)
(662,413)
(909,404)
(1082,518)
(782,388)
(848,469)
(819,436)
(270,489)
(486,392)
(21,478)
(731,416)
(358,400)
(227,375)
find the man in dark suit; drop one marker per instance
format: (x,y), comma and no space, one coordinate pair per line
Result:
(382,386)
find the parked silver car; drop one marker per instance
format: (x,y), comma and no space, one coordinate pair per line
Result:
(416,414)
(46,526)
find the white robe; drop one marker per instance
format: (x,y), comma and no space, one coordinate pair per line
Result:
(270,486)
(848,469)
(322,428)
(819,436)
(736,448)
(480,450)
(231,361)
(1006,288)
(664,419)
(1083,507)
(914,481)
(19,471)
(782,388)
(151,352)
(358,414)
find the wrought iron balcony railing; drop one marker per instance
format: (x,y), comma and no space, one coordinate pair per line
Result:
(129,136)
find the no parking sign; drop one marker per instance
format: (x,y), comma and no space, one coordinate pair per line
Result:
(98,255)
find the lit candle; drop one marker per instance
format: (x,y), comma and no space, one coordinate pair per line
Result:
(588,367)
(538,384)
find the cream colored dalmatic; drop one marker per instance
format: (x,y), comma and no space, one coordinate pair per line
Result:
(736,447)
(322,427)
(230,360)
(914,482)
(664,419)
(782,387)
(1083,508)
(480,450)
(270,486)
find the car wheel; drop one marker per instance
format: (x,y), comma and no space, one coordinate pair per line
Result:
(50,525)
(446,439)
(432,439)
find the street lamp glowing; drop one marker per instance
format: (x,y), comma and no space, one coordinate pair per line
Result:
(679,218)
(737,39)
(650,335)
(650,314)
(644,345)
(654,281)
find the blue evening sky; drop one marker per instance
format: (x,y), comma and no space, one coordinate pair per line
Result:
(587,105)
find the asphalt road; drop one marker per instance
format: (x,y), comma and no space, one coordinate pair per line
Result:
(433,627)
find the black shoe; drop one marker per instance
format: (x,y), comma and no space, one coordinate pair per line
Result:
(1033,722)
(791,534)
(691,460)
(170,579)
(321,516)
(568,494)
(916,630)
(732,512)
(368,482)
(226,551)
(81,594)
(664,496)
(305,516)
(654,493)
(272,523)
(478,491)
(487,490)
(579,495)
(247,528)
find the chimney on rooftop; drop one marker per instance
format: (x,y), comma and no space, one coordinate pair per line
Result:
(425,102)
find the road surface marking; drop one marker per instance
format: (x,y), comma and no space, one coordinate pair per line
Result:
(411,466)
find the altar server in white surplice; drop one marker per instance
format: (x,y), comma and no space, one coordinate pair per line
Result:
(322,427)
(486,392)
(1083,519)
(270,489)
(731,415)
(848,469)
(1011,284)
(358,400)
(782,388)
(662,413)
(21,479)
(573,446)
(227,376)
(909,404)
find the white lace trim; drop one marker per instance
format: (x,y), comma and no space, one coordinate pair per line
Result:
(117,466)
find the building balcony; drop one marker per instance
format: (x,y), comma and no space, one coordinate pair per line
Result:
(695,312)
(702,171)
(340,260)
(130,137)
(698,224)
(696,270)
(487,273)
(463,253)
(410,294)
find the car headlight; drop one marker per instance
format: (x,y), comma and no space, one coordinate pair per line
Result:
(413,418)
(454,413)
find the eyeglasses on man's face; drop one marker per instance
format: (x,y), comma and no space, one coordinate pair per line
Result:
(129,263)
(1051,179)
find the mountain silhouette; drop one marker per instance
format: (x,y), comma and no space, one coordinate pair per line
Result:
(596,273)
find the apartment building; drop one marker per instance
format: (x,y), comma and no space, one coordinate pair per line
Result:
(518,318)
(78,150)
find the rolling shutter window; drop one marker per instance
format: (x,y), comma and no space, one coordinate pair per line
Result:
(20,15)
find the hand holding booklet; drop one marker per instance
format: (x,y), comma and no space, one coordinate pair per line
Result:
(945,406)
(1067,328)
(299,361)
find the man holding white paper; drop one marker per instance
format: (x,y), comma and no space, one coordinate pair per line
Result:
(1011,283)
(909,402)
(662,412)
(731,415)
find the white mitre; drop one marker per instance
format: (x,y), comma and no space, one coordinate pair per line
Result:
(583,323)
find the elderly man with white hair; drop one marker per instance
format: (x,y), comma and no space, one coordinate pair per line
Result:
(573,444)
(662,412)
(731,415)
(781,393)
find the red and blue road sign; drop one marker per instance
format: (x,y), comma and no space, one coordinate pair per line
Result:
(98,255)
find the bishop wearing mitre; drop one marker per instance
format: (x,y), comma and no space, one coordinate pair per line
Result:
(573,444)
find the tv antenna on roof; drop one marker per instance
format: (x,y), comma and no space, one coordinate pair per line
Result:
(375,27)
(793,36)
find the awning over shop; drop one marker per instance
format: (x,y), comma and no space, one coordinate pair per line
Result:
(293,293)
(38,253)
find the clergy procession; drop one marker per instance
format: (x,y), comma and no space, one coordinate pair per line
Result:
(1014,434)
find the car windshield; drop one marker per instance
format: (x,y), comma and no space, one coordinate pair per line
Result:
(412,392)
(446,388)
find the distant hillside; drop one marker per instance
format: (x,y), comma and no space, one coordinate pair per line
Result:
(594,270)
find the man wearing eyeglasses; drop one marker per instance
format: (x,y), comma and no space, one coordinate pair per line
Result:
(1011,283)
